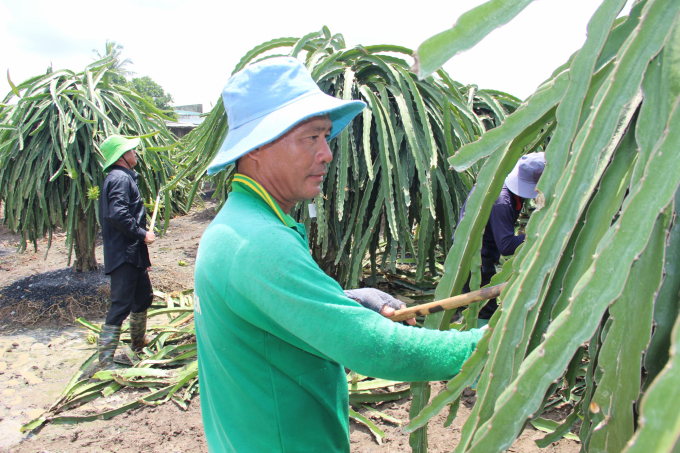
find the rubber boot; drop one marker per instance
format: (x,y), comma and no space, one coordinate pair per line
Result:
(138,331)
(106,347)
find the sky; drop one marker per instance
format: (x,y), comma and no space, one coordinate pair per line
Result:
(191,47)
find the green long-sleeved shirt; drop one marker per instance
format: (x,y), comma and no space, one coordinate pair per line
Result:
(274,332)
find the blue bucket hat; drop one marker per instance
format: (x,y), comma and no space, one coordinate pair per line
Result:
(523,178)
(266,99)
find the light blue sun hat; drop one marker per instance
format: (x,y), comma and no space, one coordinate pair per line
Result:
(523,179)
(266,99)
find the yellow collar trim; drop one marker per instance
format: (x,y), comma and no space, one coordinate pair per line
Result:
(258,189)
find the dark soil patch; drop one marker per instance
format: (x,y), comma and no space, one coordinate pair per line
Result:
(52,287)
(58,296)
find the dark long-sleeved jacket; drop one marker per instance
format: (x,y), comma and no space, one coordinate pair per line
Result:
(123,219)
(499,235)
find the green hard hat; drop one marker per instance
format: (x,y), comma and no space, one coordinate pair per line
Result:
(115,146)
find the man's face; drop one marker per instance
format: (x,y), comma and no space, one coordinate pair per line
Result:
(298,161)
(131,157)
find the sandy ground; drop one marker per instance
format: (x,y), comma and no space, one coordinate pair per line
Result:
(38,358)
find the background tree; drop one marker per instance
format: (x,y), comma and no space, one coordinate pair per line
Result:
(590,313)
(154,93)
(50,162)
(388,192)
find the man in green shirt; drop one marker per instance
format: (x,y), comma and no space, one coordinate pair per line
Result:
(274,331)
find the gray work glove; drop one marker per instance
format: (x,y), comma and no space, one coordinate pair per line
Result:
(374,299)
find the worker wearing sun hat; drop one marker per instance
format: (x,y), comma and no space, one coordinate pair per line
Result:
(126,256)
(115,147)
(524,177)
(274,331)
(499,234)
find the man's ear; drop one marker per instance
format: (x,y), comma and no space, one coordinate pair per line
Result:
(250,160)
(255,154)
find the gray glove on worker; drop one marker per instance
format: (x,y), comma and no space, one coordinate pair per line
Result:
(374,299)
(378,301)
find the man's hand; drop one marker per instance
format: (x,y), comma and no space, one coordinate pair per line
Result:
(378,301)
(150,237)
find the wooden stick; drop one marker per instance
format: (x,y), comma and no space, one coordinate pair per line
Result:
(448,304)
(155,211)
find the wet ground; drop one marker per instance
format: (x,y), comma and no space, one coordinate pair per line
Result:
(35,366)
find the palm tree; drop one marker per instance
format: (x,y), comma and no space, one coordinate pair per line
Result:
(118,72)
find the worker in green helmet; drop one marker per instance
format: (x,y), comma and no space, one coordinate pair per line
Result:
(126,256)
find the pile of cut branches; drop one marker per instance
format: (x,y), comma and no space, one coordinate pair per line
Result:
(167,367)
